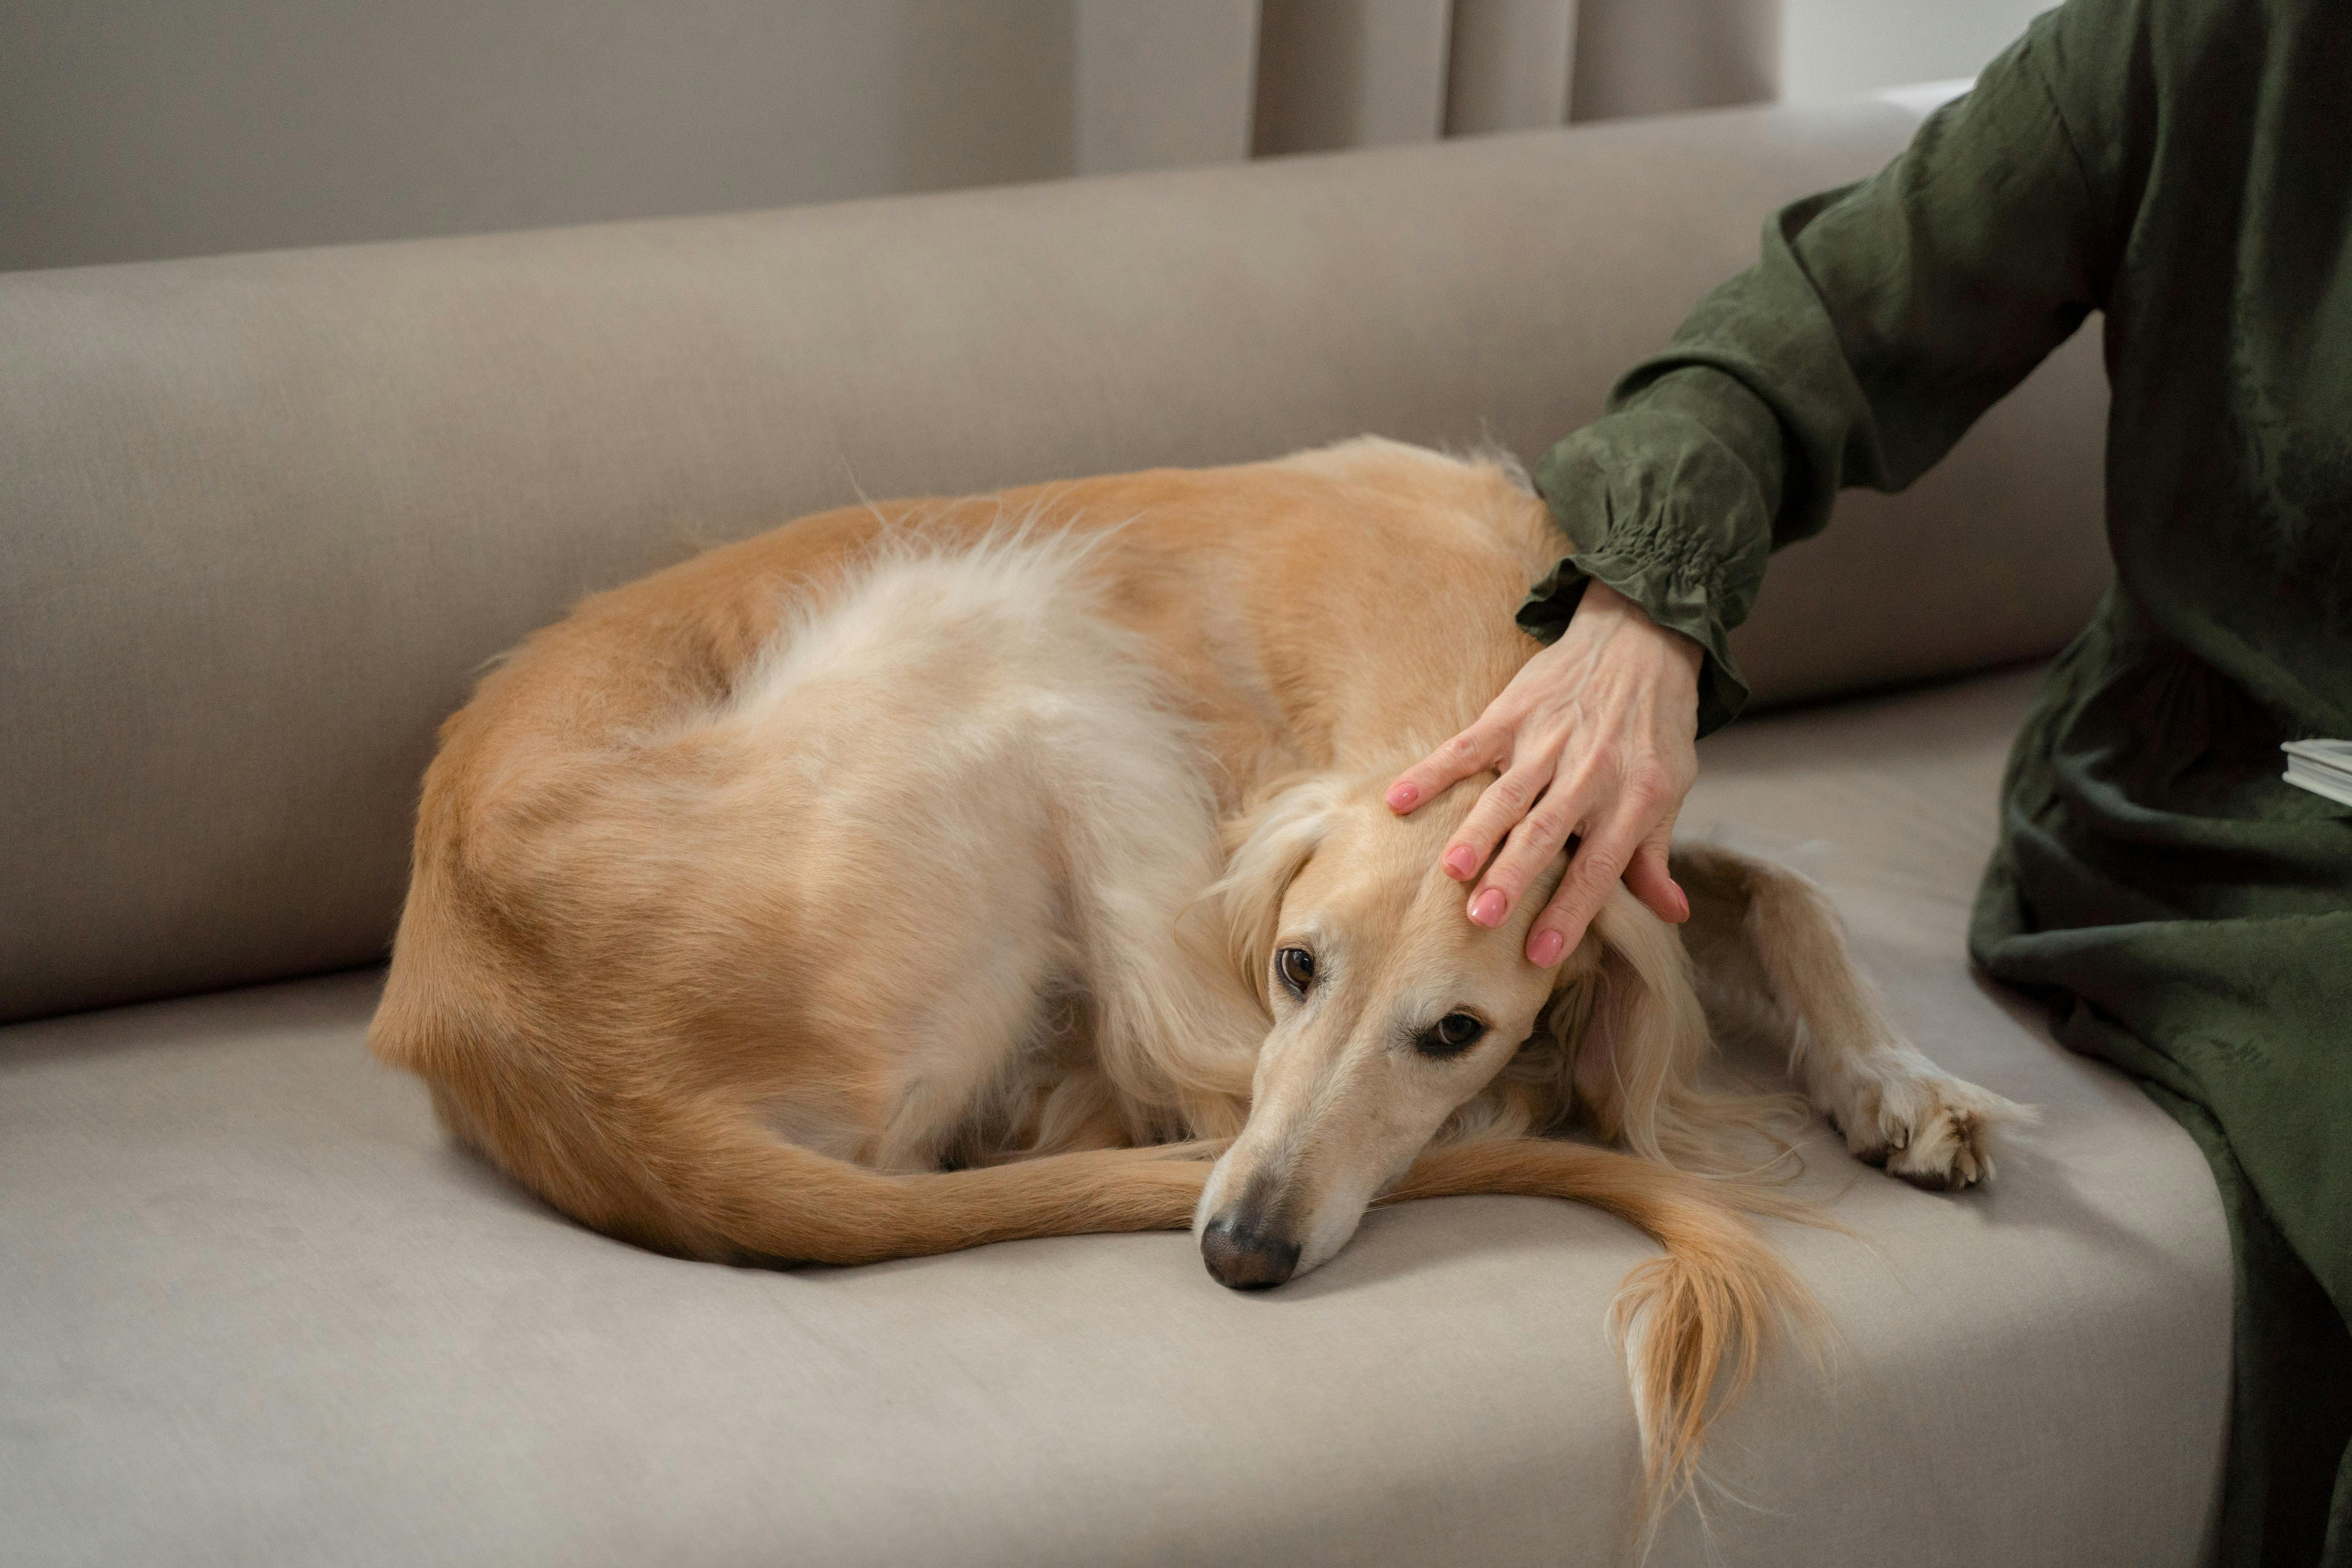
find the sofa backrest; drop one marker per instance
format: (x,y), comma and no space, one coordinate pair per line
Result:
(262,518)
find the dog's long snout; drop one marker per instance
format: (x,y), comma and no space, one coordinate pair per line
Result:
(1244,1258)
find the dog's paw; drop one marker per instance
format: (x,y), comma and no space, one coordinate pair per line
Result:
(1922,1124)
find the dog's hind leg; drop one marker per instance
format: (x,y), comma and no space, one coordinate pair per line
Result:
(1772,957)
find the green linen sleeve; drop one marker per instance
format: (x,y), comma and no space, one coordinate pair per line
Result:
(1880,321)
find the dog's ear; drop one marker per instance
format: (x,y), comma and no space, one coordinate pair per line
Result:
(1642,1032)
(1265,847)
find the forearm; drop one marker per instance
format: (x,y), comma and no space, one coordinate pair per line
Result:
(1878,324)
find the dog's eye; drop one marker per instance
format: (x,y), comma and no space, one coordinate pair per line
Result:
(1296,967)
(1452,1035)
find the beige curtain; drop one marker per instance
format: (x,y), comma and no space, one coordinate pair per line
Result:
(1162,83)
(1371,73)
(313,124)
(1511,65)
(1658,56)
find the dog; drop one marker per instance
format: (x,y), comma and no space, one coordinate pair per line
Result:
(933,873)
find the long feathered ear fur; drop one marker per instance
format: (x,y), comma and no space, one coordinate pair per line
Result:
(1643,1040)
(1265,847)
(1644,1034)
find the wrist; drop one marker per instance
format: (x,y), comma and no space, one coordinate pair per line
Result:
(1681,650)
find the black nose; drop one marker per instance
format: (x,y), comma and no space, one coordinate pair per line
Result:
(1245,1259)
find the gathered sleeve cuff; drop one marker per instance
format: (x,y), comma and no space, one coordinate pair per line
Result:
(1670,502)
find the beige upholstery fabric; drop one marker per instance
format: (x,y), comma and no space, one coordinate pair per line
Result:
(261,517)
(257,1311)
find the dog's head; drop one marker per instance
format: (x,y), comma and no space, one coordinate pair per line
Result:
(1390,1011)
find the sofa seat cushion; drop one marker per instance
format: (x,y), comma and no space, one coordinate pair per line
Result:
(256,1308)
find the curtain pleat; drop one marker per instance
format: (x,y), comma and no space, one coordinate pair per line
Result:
(1350,73)
(1166,83)
(1662,56)
(1162,84)
(1510,66)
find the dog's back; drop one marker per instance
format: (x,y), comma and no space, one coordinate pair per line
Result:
(883,884)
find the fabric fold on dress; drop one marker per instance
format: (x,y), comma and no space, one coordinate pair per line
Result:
(2184,169)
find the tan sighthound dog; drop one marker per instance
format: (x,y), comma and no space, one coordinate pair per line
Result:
(943,872)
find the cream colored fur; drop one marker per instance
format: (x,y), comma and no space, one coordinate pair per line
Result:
(918,875)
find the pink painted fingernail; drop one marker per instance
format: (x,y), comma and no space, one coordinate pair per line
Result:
(1461,862)
(1544,950)
(1402,796)
(1487,907)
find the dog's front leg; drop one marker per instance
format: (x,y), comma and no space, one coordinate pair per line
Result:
(1770,948)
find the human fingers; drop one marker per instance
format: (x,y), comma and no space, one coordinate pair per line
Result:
(1639,807)
(1591,877)
(1531,845)
(1501,808)
(1485,745)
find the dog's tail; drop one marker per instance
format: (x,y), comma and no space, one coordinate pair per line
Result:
(1694,1324)
(718,1185)
(721,1185)
(792,1204)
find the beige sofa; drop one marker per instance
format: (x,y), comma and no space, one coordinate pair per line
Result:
(262,517)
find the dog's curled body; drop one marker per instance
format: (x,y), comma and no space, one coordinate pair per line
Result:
(820,831)
(912,877)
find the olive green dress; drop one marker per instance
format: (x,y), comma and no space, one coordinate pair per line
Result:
(2185,167)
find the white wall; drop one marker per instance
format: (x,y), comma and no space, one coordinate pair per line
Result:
(1833,49)
(1651,56)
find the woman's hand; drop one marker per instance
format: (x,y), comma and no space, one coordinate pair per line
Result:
(1594,738)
